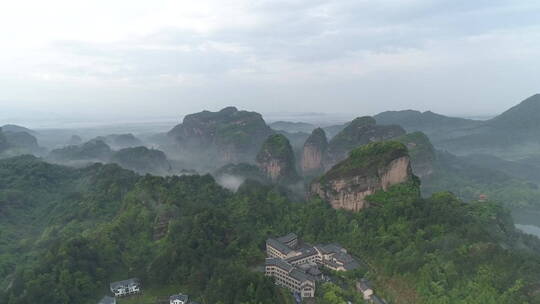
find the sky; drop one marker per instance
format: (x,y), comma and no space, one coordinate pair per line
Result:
(132,59)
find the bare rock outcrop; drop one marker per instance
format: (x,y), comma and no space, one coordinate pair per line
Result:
(370,168)
(276,160)
(314,153)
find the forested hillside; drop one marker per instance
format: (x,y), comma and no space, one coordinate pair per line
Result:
(66,233)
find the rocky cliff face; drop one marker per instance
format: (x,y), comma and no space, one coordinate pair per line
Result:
(314,153)
(361,131)
(227,136)
(276,160)
(370,168)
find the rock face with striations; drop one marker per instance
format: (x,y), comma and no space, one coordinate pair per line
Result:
(276,160)
(227,136)
(314,153)
(361,131)
(370,168)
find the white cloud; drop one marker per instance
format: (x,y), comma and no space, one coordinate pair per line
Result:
(212,52)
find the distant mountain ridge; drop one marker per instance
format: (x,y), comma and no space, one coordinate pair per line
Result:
(512,134)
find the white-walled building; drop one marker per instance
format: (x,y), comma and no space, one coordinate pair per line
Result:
(126,287)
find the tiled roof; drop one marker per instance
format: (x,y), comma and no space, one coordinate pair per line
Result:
(278,246)
(128,282)
(279,263)
(304,252)
(287,238)
(180,297)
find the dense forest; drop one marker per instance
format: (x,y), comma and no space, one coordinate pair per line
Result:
(66,233)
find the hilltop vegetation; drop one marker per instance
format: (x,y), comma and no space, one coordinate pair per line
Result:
(81,228)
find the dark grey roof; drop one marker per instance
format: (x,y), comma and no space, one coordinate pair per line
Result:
(128,282)
(279,263)
(287,238)
(351,265)
(180,297)
(343,257)
(278,246)
(376,300)
(334,248)
(364,285)
(107,300)
(299,275)
(304,252)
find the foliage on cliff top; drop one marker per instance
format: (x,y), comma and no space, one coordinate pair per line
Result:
(367,160)
(276,146)
(317,139)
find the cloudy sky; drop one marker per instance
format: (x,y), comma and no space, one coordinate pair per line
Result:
(165,58)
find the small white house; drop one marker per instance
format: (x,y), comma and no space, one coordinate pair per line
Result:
(125,288)
(364,286)
(178,299)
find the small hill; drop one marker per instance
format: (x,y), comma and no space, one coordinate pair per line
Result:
(94,150)
(276,160)
(22,140)
(142,160)
(361,131)
(16,128)
(120,141)
(369,168)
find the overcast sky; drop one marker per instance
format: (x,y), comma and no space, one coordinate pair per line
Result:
(161,58)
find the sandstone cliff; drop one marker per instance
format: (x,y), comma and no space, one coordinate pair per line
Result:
(361,131)
(276,160)
(314,153)
(370,168)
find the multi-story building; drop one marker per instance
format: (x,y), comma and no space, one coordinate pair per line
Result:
(294,264)
(336,257)
(291,277)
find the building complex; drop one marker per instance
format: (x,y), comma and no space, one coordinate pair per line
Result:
(295,265)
